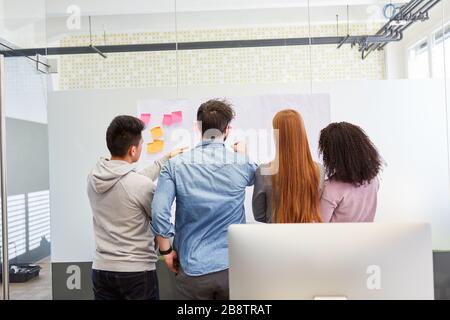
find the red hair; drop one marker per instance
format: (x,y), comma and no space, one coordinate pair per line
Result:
(295,192)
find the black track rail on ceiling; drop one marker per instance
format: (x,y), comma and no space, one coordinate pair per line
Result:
(229,44)
(411,12)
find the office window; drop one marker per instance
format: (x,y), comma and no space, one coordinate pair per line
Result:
(441,38)
(28,223)
(16,225)
(418,61)
(39,218)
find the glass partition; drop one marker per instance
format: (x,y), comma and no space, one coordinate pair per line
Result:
(98,59)
(239,49)
(445,44)
(23,27)
(3,241)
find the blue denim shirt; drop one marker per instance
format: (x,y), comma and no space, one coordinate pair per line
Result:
(208,183)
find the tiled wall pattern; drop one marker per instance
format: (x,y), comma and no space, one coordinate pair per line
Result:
(217,66)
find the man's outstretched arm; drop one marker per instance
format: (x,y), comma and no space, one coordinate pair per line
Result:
(153,170)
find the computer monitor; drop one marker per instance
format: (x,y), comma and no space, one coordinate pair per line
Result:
(331,261)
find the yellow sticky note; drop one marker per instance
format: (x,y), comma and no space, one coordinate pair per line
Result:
(157,132)
(155,146)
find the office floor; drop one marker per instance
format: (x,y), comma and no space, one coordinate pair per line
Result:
(39,288)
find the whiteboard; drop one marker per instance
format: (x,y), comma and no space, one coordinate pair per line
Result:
(252,125)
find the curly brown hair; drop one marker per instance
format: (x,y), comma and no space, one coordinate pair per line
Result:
(348,154)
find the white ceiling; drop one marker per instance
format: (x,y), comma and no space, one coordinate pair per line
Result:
(35,23)
(113,7)
(56,26)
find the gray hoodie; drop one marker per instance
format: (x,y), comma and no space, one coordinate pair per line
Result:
(121,199)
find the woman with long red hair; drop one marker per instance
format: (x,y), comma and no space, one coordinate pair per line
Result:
(287,190)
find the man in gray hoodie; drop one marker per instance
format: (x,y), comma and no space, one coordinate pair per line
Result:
(120,198)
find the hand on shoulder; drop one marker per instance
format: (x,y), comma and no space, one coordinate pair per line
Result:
(176,152)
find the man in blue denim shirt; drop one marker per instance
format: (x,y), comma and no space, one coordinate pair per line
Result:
(208,183)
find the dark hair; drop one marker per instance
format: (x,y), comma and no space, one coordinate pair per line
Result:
(348,154)
(122,133)
(215,114)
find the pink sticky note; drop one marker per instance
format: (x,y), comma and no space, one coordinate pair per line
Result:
(177,116)
(167,120)
(145,117)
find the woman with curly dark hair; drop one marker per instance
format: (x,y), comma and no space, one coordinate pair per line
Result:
(352,164)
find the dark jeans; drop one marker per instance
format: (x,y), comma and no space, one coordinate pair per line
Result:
(212,286)
(125,285)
